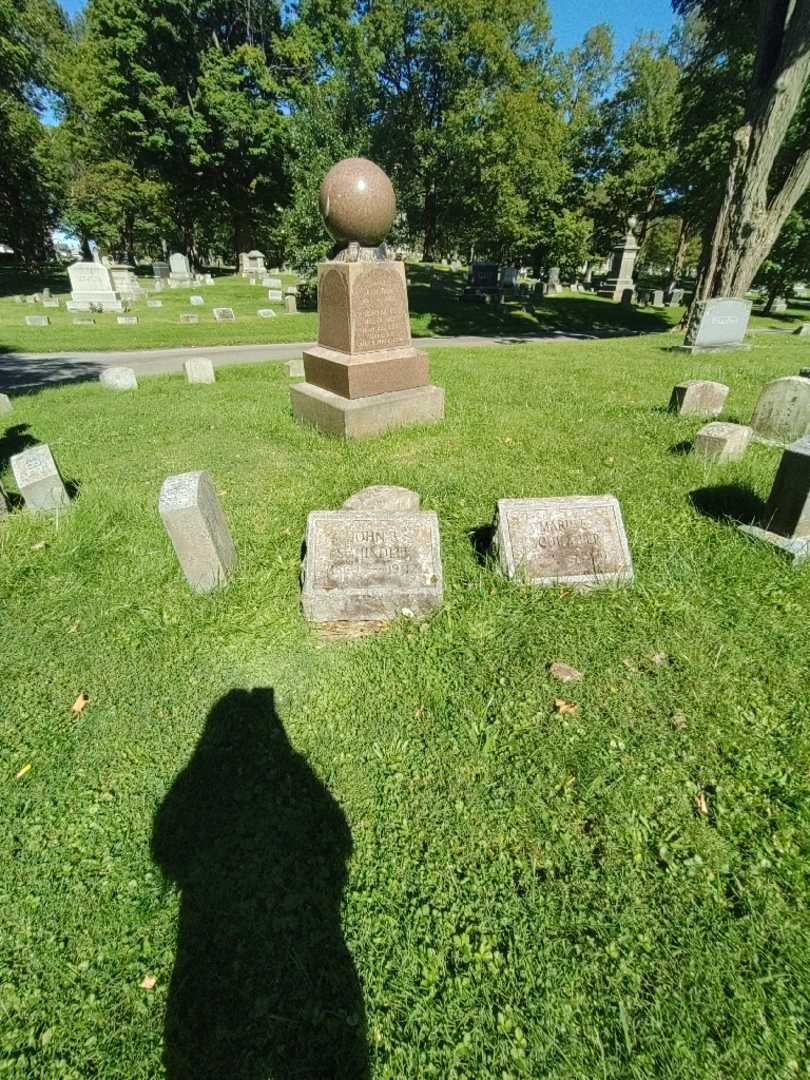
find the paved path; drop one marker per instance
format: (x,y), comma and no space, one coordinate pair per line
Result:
(26,371)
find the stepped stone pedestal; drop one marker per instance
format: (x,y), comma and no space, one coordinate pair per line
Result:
(364,376)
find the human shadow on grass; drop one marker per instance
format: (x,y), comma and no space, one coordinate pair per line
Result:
(263,987)
(735,502)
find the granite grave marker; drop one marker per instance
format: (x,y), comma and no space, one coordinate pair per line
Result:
(193,517)
(38,479)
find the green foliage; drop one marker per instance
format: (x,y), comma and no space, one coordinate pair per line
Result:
(789,260)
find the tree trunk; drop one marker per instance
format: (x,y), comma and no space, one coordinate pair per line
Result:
(429,224)
(679,256)
(751,216)
(646,216)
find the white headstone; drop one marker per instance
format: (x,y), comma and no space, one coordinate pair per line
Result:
(118,378)
(91,283)
(224,314)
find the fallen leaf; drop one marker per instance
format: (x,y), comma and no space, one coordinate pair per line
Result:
(26,768)
(148,982)
(679,720)
(561,706)
(701,804)
(78,706)
(564,672)
(507,440)
(38,547)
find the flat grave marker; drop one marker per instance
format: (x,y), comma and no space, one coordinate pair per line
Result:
(37,320)
(196,300)
(577,540)
(84,322)
(266,313)
(127,320)
(383,497)
(275,294)
(189,318)
(224,314)
(154,303)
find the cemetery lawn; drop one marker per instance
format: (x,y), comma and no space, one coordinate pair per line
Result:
(605,878)
(435,304)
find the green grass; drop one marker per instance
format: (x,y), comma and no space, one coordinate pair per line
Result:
(525,893)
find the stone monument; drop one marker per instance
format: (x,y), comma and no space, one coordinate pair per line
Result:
(786,521)
(38,479)
(199,369)
(623,260)
(92,283)
(251,264)
(198,530)
(364,376)
(577,540)
(715,324)
(782,412)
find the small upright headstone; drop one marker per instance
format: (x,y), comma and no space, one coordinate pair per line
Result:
(18,299)
(786,521)
(719,442)
(199,369)
(272,282)
(577,540)
(266,313)
(295,368)
(127,320)
(38,479)
(51,302)
(383,497)
(5,404)
(275,295)
(658,298)
(196,300)
(224,314)
(290,305)
(675,298)
(698,397)
(779,305)
(803,330)
(782,412)
(154,303)
(371,565)
(118,378)
(37,320)
(199,533)
(179,269)
(717,324)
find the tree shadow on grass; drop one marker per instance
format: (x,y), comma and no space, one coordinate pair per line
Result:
(263,987)
(734,502)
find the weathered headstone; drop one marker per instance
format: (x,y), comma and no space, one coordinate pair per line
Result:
(154,303)
(803,330)
(160,270)
(199,533)
(91,283)
(295,368)
(224,314)
(717,324)
(272,282)
(127,320)
(251,264)
(719,442)
(623,260)
(290,305)
(786,521)
(266,313)
(196,300)
(188,317)
(577,540)
(779,305)
(37,320)
(38,479)
(698,397)
(51,302)
(125,282)
(275,295)
(84,322)
(179,269)
(675,298)
(18,299)
(118,378)
(365,565)
(199,369)
(5,404)
(782,412)
(658,298)
(383,497)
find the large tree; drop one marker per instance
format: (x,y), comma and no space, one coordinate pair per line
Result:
(768,160)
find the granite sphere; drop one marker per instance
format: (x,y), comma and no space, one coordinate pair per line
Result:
(357,202)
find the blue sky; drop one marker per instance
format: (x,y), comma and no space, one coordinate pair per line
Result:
(571,18)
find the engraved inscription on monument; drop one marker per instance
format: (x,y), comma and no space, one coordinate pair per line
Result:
(578,540)
(364,565)
(380,309)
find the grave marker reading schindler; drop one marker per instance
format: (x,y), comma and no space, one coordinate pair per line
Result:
(364,376)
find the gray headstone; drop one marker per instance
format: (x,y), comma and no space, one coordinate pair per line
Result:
(383,497)
(782,413)
(266,313)
(127,320)
(363,566)
(803,330)
(38,479)
(779,305)
(295,368)
(272,283)
(196,525)
(787,514)
(189,318)
(84,322)
(18,299)
(676,297)
(717,324)
(196,300)
(118,378)
(51,302)
(154,303)
(719,442)
(224,314)
(199,369)
(698,397)
(290,305)
(658,298)
(275,294)
(37,320)
(577,540)
(5,404)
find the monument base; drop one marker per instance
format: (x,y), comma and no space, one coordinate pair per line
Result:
(613,288)
(359,375)
(353,418)
(739,346)
(797,549)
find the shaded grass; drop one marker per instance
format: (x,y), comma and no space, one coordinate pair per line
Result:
(528,893)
